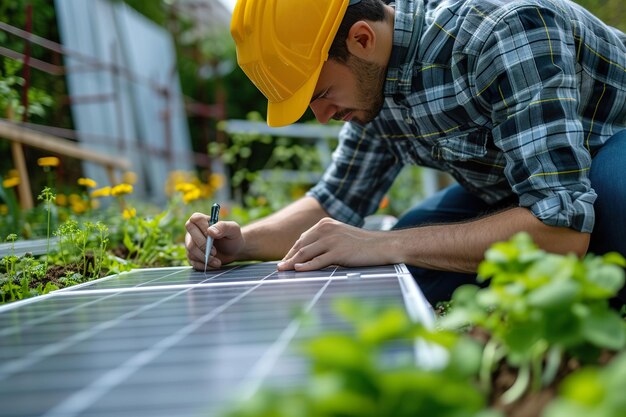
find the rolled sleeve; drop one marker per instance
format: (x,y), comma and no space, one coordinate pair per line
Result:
(360,174)
(566,209)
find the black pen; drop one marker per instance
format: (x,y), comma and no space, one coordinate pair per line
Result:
(215,214)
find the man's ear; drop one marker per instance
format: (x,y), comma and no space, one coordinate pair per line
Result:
(361,39)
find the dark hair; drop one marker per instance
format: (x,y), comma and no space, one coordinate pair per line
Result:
(373,10)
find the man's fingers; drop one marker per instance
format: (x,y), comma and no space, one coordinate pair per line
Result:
(214,263)
(194,253)
(300,256)
(197,261)
(196,227)
(307,264)
(305,239)
(318,262)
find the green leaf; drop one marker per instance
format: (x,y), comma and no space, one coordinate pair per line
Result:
(604,281)
(584,387)
(128,242)
(614,258)
(409,393)
(555,295)
(465,295)
(465,357)
(563,328)
(338,351)
(391,324)
(604,328)
(521,336)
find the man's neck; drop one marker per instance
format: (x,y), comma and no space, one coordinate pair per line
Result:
(384,34)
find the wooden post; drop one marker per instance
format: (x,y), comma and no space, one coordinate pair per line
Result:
(111,175)
(26,198)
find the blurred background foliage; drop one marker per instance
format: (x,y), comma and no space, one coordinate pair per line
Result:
(208,74)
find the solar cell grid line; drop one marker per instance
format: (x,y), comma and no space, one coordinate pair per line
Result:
(183,276)
(8,368)
(64,297)
(80,401)
(264,365)
(90,410)
(175,358)
(8,330)
(136,278)
(121,277)
(286,375)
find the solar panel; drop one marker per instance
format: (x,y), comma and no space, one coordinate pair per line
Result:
(177,342)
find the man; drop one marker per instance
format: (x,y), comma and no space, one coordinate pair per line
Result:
(523,103)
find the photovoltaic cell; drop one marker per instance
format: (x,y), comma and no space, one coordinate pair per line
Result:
(177,342)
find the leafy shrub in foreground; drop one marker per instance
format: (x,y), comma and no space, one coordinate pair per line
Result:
(539,306)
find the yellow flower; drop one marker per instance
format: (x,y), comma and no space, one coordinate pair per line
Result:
(79,206)
(48,161)
(185,187)
(87,182)
(297,192)
(11,182)
(61,200)
(129,213)
(4,209)
(74,199)
(206,190)
(121,189)
(174,178)
(216,181)
(191,195)
(101,192)
(129,177)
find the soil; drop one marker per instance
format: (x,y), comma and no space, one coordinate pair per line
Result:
(532,403)
(56,272)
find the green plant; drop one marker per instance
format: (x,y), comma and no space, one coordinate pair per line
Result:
(83,245)
(538,307)
(13,221)
(149,243)
(592,391)
(10,270)
(259,166)
(47,196)
(15,282)
(10,96)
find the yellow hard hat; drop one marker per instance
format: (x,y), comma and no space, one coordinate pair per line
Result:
(282,45)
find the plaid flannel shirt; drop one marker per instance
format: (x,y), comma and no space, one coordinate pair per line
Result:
(510,98)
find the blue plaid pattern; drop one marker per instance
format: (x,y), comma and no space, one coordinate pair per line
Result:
(510,98)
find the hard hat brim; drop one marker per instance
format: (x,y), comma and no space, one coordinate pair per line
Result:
(290,110)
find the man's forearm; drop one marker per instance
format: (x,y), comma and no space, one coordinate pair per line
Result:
(461,247)
(271,237)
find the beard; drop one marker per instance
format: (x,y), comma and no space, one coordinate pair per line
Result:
(370,82)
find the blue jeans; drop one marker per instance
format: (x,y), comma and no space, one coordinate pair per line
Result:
(453,204)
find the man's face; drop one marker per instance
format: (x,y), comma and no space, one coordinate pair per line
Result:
(351,91)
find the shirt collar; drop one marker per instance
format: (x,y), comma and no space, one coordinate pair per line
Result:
(408,24)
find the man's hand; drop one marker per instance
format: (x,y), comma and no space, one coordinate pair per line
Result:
(330,242)
(228,241)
